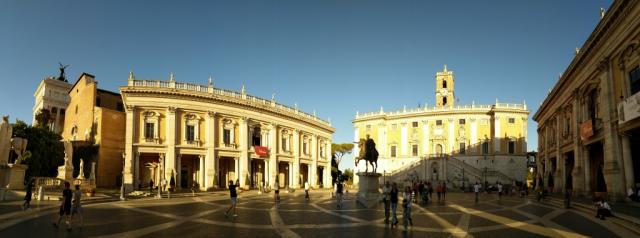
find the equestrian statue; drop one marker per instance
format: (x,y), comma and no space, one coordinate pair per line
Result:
(368,153)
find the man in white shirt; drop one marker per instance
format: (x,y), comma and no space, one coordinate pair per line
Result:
(306,190)
(499,190)
(476,190)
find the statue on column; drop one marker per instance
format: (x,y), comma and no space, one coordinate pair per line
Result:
(6,130)
(81,171)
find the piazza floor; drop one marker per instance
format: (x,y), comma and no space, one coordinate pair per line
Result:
(203,216)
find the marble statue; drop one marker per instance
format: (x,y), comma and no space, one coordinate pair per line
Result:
(81,171)
(19,146)
(68,153)
(6,130)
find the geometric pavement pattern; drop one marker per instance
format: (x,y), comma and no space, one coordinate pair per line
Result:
(258,216)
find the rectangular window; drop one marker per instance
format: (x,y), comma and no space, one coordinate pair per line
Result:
(414,124)
(438,122)
(190,131)
(512,147)
(149,130)
(414,150)
(304,148)
(226,136)
(462,121)
(512,120)
(393,151)
(634,80)
(463,148)
(485,147)
(284,144)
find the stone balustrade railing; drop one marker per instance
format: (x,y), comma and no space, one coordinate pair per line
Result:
(225,93)
(472,107)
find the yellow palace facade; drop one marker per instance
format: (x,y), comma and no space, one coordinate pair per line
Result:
(204,136)
(448,142)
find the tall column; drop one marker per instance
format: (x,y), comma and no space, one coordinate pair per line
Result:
(273,150)
(296,158)
(425,137)
(201,173)
(313,169)
(291,177)
(210,169)
(56,125)
(403,139)
(267,176)
(178,173)
(451,137)
(559,183)
(136,170)
(587,170)
(244,153)
(578,157)
(474,136)
(128,147)
(613,173)
(327,176)
(628,164)
(496,134)
(170,132)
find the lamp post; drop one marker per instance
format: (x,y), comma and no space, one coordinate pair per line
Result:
(122,196)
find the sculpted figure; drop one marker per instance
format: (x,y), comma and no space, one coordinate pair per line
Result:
(6,130)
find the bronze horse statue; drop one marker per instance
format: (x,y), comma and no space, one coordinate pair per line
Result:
(368,153)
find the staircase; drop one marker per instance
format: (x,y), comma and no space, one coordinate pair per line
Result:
(477,173)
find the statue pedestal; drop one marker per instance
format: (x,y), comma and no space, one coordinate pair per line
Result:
(66,173)
(16,176)
(368,189)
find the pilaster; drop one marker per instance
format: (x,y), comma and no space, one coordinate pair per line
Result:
(273,150)
(244,153)
(170,132)
(128,147)
(313,177)
(296,159)
(210,163)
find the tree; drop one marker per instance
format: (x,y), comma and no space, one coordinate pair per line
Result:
(335,172)
(47,151)
(43,118)
(340,150)
(348,176)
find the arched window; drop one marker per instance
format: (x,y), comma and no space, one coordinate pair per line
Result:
(444,83)
(444,101)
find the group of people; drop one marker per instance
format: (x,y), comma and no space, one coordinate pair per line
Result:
(390,200)
(70,206)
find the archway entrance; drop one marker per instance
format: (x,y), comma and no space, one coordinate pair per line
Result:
(568,166)
(304,174)
(257,173)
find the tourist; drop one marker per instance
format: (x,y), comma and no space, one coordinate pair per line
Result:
(425,193)
(439,191)
(28,195)
(499,185)
(276,193)
(339,191)
(65,207)
(306,190)
(632,196)
(604,210)
(476,190)
(444,190)
(394,204)
(386,199)
(406,205)
(77,207)
(234,199)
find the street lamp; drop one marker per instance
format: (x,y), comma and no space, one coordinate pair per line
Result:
(122,196)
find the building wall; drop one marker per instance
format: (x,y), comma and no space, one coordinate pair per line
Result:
(52,95)
(110,137)
(79,117)
(598,77)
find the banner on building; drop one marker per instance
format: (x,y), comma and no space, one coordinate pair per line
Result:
(586,129)
(261,150)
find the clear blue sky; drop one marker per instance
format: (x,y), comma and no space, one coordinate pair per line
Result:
(334,56)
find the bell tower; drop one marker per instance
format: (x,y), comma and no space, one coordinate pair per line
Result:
(445,97)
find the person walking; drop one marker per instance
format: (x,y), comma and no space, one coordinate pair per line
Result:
(476,190)
(306,190)
(386,199)
(499,185)
(76,208)
(444,190)
(28,195)
(234,199)
(276,193)
(65,207)
(339,193)
(394,204)
(439,191)
(406,205)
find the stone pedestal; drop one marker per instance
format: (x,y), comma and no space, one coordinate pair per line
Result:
(16,176)
(368,189)
(66,172)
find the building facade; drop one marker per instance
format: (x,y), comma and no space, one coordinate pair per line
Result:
(95,118)
(589,124)
(204,137)
(52,94)
(448,142)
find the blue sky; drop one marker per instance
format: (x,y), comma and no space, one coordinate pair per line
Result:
(336,57)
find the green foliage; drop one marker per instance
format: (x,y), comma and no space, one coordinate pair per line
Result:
(43,118)
(47,151)
(340,150)
(348,176)
(335,172)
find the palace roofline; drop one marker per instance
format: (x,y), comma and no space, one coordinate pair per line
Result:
(473,108)
(208,91)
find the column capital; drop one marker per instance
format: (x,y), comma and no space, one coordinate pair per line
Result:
(172,110)
(211,114)
(128,108)
(603,65)
(472,119)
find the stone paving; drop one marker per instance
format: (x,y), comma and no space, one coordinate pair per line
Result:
(258,216)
